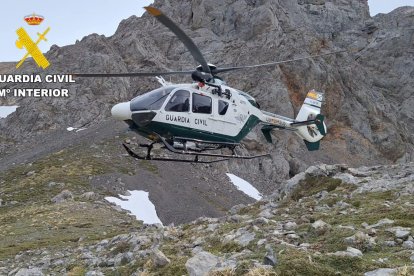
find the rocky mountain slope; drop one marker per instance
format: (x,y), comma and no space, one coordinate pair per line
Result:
(369,93)
(329,220)
(335,219)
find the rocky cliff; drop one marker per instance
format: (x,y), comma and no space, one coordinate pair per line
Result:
(369,93)
(322,220)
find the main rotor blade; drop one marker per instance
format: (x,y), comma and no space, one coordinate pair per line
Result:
(185,39)
(222,70)
(137,74)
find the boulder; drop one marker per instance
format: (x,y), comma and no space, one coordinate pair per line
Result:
(201,264)
(408,244)
(65,195)
(382,272)
(350,252)
(159,259)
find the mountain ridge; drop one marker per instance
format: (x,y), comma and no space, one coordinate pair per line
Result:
(333,218)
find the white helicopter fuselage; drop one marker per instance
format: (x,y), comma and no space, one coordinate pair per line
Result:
(195,111)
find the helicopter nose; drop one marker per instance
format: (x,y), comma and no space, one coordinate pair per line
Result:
(122,111)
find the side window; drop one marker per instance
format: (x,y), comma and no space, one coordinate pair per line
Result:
(201,104)
(222,107)
(179,102)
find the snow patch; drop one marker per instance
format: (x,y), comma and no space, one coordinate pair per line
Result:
(139,204)
(74,128)
(7,110)
(245,186)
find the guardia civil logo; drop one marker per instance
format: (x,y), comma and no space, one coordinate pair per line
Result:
(25,42)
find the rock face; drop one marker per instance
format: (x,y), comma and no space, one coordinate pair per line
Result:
(369,93)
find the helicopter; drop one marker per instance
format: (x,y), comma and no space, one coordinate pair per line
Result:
(201,119)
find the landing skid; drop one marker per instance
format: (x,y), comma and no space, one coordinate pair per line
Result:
(196,154)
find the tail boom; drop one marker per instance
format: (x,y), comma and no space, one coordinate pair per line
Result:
(309,123)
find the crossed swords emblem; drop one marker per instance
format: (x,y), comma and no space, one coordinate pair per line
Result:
(33,50)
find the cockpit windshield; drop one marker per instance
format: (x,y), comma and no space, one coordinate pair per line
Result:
(249,98)
(152,100)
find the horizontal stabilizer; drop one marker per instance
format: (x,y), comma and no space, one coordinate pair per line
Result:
(266,132)
(312,146)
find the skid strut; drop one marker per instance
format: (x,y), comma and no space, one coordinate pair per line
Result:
(196,154)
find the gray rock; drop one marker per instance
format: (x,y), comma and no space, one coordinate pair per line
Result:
(65,195)
(293,236)
(29,272)
(89,196)
(399,241)
(212,227)
(54,184)
(372,232)
(235,209)
(266,213)
(350,252)
(159,259)
(270,258)
(321,195)
(342,205)
(201,264)
(238,218)
(320,224)
(380,223)
(402,234)
(361,239)
(123,259)
(382,272)
(107,262)
(31,173)
(320,227)
(347,178)
(348,227)
(261,221)
(245,238)
(389,243)
(291,225)
(408,245)
(354,252)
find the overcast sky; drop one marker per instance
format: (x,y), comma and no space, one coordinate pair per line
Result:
(72,20)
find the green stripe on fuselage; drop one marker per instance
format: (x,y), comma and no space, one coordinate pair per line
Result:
(170,130)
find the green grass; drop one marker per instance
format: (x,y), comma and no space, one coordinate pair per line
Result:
(35,222)
(176,267)
(313,185)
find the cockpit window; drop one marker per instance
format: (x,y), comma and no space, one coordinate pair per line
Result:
(222,107)
(249,98)
(179,102)
(152,100)
(201,104)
